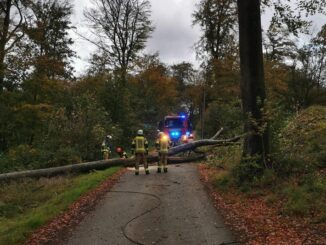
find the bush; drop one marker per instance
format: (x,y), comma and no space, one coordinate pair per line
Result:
(222,181)
(303,141)
(309,196)
(297,203)
(286,166)
(19,158)
(220,115)
(248,171)
(26,157)
(58,157)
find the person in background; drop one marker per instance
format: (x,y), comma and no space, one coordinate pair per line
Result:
(121,152)
(139,147)
(106,147)
(162,145)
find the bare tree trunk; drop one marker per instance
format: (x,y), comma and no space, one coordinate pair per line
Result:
(252,78)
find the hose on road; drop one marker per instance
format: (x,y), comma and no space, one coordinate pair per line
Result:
(124,228)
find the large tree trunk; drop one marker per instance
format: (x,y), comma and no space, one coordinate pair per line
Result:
(2,70)
(3,39)
(252,78)
(97,165)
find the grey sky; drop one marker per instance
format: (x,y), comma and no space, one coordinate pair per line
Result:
(174,35)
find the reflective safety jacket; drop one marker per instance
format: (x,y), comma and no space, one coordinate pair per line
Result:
(105,148)
(163,145)
(139,144)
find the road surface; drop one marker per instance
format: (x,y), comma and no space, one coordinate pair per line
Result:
(171,208)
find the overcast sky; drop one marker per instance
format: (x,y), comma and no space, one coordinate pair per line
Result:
(174,35)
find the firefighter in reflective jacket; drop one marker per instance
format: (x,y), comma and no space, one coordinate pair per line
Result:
(106,147)
(162,145)
(139,146)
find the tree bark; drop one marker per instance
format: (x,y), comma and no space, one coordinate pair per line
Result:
(6,7)
(252,78)
(98,165)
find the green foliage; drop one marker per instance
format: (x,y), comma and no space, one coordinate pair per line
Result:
(308,196)
(222,182)
(26,205)
(248,171)
(297,203)
(226,115)
(224,159)
(303,140)
(20,157)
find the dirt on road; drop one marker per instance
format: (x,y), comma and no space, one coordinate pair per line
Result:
(165,208)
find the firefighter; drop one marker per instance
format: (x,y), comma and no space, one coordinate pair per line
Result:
(121,152)
(139,147)
(106,147)
(162,145)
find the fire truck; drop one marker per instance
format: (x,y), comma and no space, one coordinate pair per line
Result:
(177,127)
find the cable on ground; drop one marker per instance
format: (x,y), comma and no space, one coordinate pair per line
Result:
(124,228)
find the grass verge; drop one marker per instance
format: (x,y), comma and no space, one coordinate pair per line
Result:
(28,204)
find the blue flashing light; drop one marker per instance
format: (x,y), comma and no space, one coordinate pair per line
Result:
(183,116)
(187,133)
(175,134)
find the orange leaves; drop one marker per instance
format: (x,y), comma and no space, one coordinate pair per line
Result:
(257,223)
(276,76)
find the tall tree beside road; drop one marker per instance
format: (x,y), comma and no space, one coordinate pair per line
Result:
(122,28)
(252,78)
(217,19)
(11,24)
(46,86)
(51,42)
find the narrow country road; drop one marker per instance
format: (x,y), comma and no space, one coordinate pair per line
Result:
(170,208)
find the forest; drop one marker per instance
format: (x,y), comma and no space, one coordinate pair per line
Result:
(49,117)
(268,85)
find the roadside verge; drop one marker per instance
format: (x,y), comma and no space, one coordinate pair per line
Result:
(255,222)
(40,211)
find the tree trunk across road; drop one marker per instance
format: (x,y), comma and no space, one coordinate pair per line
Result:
(99,165)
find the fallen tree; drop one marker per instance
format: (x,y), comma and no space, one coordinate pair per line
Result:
(99,165)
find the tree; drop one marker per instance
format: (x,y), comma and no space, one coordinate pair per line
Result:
(189,89)
(308,73)
(12,22)
(51,48)
(278,44)
(50,38)
(122,28)
(216,47)
(155,92)
(217,19)
(293,15)
(252,79)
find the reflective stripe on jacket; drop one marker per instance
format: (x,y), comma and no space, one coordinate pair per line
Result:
(162,145)
(105,148)
(140,144)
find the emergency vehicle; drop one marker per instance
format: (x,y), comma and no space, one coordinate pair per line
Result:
(177,127)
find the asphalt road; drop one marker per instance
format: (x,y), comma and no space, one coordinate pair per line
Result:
(171,208)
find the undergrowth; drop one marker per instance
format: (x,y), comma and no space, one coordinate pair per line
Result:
(297,175)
